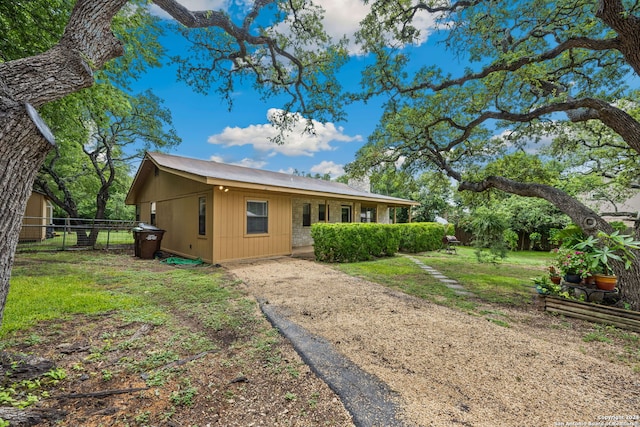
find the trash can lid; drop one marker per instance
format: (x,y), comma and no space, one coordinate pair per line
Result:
(148,227)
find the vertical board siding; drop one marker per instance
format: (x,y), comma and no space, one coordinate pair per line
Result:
(179,218)
(230,238)
(34,218)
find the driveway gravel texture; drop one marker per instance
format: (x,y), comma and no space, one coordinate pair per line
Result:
(445,367)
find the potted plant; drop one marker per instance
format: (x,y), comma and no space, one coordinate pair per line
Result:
(544,286)
(554,275)
(605,248)
(573,264)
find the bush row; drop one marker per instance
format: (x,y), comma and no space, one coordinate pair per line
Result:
(361,242)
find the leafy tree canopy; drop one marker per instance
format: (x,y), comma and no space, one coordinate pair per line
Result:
(531,63)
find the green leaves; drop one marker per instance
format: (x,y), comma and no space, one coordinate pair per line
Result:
(606,247)
(31,27)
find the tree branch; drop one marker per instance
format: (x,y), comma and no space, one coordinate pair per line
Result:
(575,43)
(582,215)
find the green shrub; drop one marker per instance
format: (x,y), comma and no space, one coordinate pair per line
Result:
(488,234)
(450,230)
(362,242)
(619,226)
(420,236)
(353,242)
(511,239)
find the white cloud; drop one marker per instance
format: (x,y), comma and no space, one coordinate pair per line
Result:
(297,142)
(343,17)
(528,144)
(329,167)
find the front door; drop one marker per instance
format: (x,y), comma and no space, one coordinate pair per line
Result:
(346,213)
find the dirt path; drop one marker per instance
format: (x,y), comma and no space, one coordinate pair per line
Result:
(449,367)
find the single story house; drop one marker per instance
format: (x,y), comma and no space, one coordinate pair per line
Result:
(220,212)
(37,217)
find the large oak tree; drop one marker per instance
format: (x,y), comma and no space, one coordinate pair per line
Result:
(532,65)
(296,62)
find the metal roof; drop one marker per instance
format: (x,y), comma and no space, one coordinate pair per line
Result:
(238,174)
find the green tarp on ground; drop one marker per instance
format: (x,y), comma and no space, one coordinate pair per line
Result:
(182,261)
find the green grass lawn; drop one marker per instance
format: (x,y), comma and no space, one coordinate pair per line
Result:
(507,282)
(55,285)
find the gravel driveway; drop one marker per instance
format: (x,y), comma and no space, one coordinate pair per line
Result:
(448,367)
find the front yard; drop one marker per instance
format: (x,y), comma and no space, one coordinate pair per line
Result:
(142,343)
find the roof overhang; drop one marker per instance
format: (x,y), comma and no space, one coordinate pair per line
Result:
(149,164)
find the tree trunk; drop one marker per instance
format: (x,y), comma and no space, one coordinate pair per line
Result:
(31,82)
(629,283)
(24,142)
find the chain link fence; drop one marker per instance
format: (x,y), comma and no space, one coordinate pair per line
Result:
(54,234)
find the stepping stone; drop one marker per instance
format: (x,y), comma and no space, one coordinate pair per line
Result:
(449,281)
(465,293)
(455,286)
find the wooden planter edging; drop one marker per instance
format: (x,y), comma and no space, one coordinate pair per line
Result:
(617,317)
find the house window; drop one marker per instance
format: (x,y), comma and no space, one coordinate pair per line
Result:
(202,216)
(138,209)
(152,219)
(322,213)
(368,215)
(306,214)
(346,213)
(257,217)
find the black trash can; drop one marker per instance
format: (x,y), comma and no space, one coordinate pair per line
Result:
(147,240)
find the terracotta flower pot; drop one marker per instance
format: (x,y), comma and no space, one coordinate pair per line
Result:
(556,279)
(606,283)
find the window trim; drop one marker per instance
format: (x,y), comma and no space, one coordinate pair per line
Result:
(202,216)
(364,210)
(324,212)
(306,217)
(152,213)
(247,233)
(350,208)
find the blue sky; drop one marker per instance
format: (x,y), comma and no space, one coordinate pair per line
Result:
(240,136)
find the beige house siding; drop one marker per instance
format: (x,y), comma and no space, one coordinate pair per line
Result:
(37,216)
(179,217)
(176,201)
(231,240)
(631,206)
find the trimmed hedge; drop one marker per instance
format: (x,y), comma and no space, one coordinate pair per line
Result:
(362,242)
(420,236)
(353,242)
